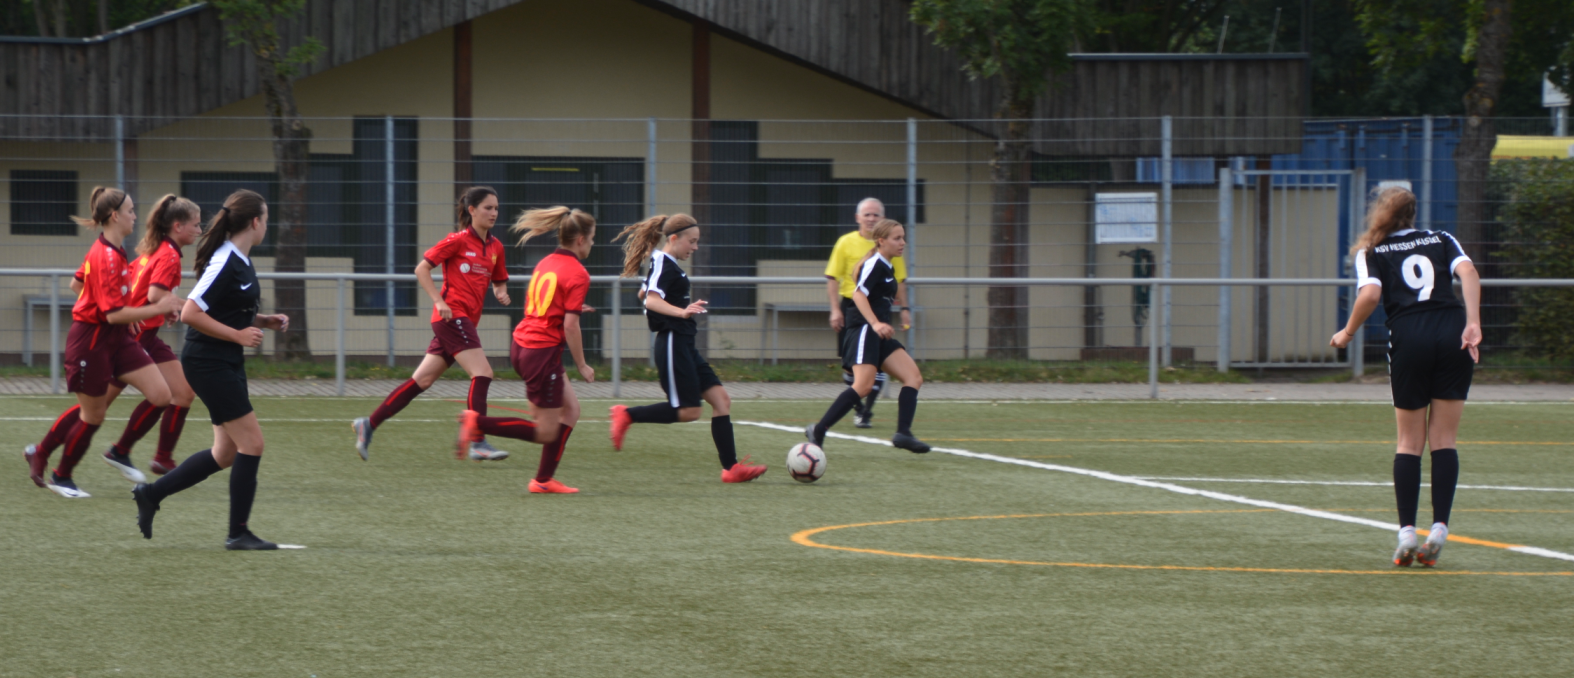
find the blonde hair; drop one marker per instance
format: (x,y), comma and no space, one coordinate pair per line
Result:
(1393,209)
(569,223)
(881,230)
(103,204)
(168,211)
(642,238)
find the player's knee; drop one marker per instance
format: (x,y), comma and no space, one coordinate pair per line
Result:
(157,397)
(547,432)
(571,414)
(425,381)
(915,382)
(689,414)
(863,389)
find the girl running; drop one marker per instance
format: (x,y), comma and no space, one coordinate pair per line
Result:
(222,320)
(870,347)
(1433,347)
(155,275)
(472,260)
(553,302)
(685,376)
(101,346)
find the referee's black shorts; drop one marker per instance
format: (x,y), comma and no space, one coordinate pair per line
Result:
(221,384)
(1425,361)
(864,346)
(685,376)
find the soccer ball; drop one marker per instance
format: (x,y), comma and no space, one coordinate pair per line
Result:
(806,462)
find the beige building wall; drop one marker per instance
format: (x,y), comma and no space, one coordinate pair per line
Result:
(587,76)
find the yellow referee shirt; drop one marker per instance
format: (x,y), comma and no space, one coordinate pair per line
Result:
(850,249)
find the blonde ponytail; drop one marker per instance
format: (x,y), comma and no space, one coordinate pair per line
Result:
(644,237)
(103,204)
(168,211)
(569,223)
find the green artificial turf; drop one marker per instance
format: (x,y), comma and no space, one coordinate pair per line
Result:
(420,565)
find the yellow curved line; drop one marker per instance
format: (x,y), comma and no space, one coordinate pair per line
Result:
(805,538)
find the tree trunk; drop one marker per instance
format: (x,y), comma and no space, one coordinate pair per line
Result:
(1008,235)
(1473,157)
(39,16)
(291,157)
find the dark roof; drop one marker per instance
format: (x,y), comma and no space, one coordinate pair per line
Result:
(179,65)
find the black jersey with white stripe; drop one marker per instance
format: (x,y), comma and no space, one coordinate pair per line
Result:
(1415,270)
(672,284)
(227,291)
(877,280)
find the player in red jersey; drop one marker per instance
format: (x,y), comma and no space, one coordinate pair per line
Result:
(553,302)
(100,347)
(472,260)
(156,274)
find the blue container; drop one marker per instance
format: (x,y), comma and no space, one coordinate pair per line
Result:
(1389,149)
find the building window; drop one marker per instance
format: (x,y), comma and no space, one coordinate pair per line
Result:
(346,209)
(42,202)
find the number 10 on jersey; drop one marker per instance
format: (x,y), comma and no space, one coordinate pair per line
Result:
(538,297)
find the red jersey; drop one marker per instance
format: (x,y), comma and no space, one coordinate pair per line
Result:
(557,287)
(106,283)
(470,265)
(160,269)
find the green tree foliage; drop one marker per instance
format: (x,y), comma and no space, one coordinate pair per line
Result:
(1018,44)
(1538,224)
(254,23)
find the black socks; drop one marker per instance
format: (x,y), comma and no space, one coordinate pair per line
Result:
(844,403)
(195,469)
(660,413)
(906,407)
(1407,487)
(1445,476)
(243,489)
(721,432)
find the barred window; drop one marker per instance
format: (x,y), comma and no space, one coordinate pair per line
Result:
(42,202)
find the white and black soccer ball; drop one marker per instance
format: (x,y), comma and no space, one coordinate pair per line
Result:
(806,462)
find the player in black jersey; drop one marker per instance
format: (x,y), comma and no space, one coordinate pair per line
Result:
(1433,343)
(685,375)
(221,313)
(870,345)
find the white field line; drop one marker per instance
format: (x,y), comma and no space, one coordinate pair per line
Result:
(1130,480)
(1355,483)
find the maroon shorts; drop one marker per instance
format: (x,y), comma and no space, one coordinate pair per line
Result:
(156,348)
(542,370)
(96,354)
(452,337)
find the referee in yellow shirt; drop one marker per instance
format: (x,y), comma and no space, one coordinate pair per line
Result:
(850,249)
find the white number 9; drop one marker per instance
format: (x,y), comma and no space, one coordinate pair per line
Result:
(1419,275)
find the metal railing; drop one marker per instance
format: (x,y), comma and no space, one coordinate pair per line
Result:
(614,347)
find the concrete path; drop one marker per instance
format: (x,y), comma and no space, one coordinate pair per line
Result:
(640,391)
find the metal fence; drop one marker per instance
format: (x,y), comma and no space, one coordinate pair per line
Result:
(774,195)
(623,335)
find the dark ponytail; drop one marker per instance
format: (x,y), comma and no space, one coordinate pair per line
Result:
(168,211)
(472,197)
(237,214)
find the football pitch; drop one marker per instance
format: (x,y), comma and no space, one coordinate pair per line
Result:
(1083,538)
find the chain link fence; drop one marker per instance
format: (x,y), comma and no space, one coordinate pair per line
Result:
(774,195)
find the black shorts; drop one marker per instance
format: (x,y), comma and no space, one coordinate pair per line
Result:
(848,309)
(685,375)
(1425,362)
(221,385)
(863,346)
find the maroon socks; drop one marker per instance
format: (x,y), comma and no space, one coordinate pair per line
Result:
(552,453)
(396,401)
